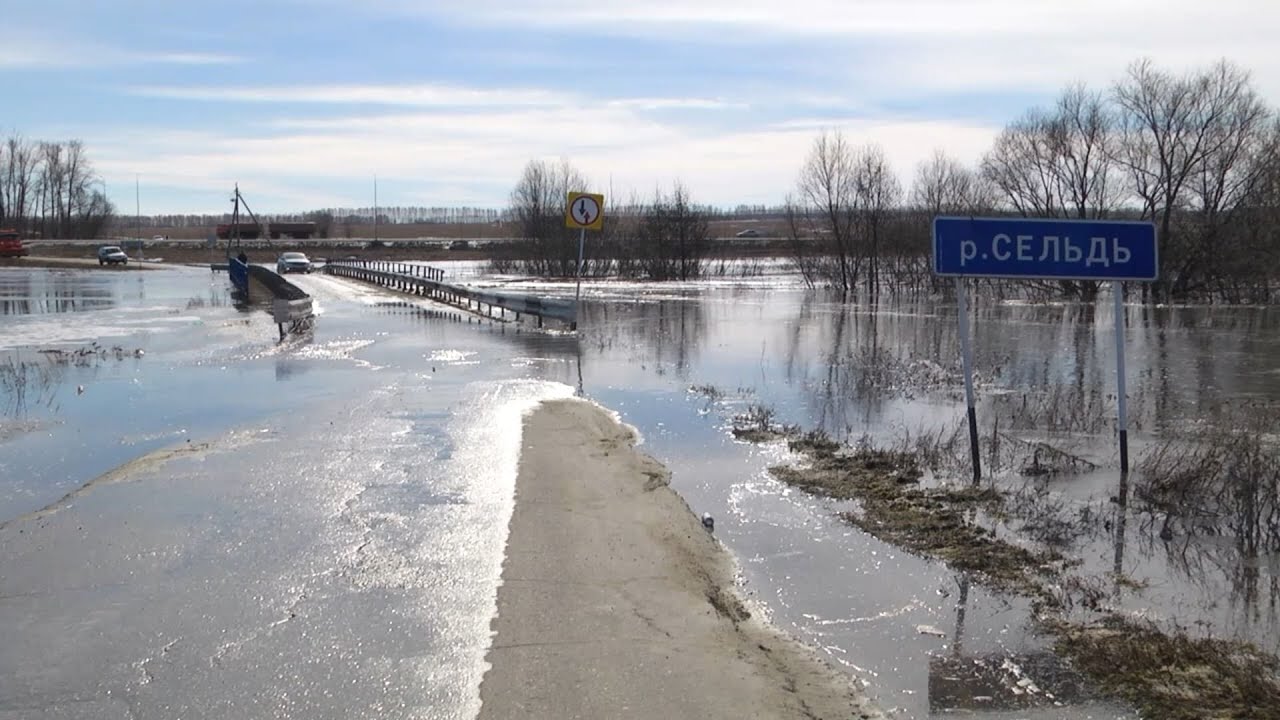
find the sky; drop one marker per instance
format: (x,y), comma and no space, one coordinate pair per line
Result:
(305,102)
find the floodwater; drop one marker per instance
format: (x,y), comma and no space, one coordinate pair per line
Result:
(327,540)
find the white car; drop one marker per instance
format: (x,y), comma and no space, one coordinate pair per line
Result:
(110,255)
(293,262)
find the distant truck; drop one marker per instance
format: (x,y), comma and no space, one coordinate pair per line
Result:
(11,244)
(275,230)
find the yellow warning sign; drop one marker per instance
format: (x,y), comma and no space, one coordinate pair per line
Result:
(584,211)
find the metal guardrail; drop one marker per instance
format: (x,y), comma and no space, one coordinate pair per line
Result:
(290,304)
(429,282)
(276,283)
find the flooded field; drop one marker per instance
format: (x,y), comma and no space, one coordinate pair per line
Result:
(381,450)
(889,376)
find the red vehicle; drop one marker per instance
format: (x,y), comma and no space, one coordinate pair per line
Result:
(11,244)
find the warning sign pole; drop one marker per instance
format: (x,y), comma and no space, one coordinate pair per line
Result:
(577,294)
(584,211)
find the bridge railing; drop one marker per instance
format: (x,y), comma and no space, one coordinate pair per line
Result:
(429,281)
(239,273)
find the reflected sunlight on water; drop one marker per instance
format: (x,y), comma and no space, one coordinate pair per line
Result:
(389,417)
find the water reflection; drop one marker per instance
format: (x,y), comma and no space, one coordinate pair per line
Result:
(28,380)
(988,682)
(27,293)
(1046,381)
(666,335)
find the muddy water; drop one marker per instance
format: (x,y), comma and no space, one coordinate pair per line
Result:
(402,384)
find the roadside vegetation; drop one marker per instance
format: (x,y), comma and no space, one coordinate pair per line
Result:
(30,379)
(1217,483)
(664,238)
(1197,154)
(1222,481)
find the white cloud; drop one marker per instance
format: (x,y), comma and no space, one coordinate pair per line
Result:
(474,157)
(838,61)
(1080,21)
(658,103)
(185,58)
(798,17)
(913,46)
(33,52)
(417,95)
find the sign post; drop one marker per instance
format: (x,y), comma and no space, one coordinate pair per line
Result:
(584,211)
(966,360)
(1046,249)
(1122,422)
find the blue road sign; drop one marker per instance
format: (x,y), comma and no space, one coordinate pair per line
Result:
(1045,249)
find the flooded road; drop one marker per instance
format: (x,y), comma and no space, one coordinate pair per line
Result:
(329,545)
(313,529)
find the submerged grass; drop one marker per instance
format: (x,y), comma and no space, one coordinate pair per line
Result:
(1164,674)
(1223,480)
(929,522)
(757,425)
(1173,676)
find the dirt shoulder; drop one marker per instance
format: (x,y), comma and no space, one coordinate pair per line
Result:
(40,261)
(617,602)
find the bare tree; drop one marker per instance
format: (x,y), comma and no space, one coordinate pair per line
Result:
(620,245)
(1059,163)
(51,175)
(1241,151)
(1082,140)
(47,188)
(827,186)
(876,194)
(1255,227)
(846,197)
(537,203)
(942,185)
(674,236)
(1175,130)
(798,228)
(1020,167)
(19,180)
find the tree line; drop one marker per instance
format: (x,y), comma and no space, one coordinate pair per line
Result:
(391,215)
(665,237)
(1197,154)
(50,190)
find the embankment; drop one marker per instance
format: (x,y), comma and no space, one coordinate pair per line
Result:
(616,602)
